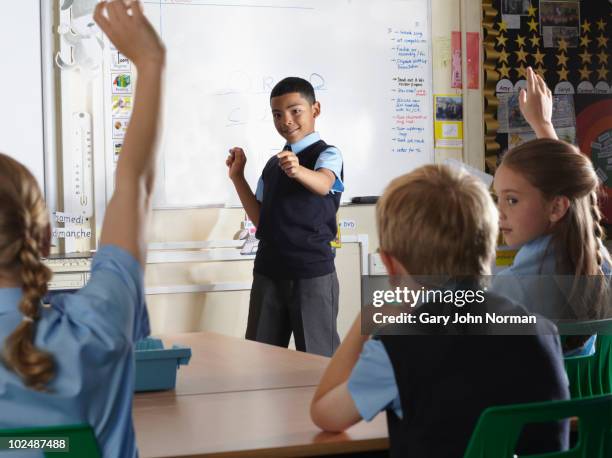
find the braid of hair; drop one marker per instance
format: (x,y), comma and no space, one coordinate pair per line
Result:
(597,228)
(34,366)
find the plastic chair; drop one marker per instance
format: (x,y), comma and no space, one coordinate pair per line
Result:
(81,439)
(498,428)
(590,375)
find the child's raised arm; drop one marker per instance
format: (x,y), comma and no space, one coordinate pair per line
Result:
(124,224)
(536,105)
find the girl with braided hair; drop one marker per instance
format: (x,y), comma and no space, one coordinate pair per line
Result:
(72,362)
(547,198)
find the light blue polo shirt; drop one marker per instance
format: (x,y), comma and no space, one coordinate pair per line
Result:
(90,334)
(330,159)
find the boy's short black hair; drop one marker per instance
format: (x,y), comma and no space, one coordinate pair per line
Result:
(294,84)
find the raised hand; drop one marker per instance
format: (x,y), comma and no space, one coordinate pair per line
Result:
(236,160)
(289,162)
(536,105)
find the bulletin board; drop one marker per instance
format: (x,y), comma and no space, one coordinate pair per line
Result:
(567,43)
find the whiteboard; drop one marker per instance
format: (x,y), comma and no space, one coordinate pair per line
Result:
(369,61)
(21,106)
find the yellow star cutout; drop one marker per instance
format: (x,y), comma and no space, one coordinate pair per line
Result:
(541,71)
(535,41)
(504,71)
(602,73)
(503,56)
(531,10)
(503,27)
(520,40)
(539,57)
(602,41)
(585,57)
(601,25)
(584,41)
(561,60)
(562,44)
(585,73)
(562,74)
(533,25)
(603,57)
(521,56)
(501,40)
(586,26)
(521,71)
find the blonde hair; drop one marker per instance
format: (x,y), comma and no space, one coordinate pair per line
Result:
(438,221)
(24,225)
(577,236)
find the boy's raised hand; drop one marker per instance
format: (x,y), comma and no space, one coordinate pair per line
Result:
(536,104)
(289,162)
(236,160)
(129,30)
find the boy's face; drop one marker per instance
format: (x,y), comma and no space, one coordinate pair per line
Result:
(294,117)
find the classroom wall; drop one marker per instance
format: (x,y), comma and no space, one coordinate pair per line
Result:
(226,312)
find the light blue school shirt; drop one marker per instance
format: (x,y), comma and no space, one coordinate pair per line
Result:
(529,282)
(90,334)
(330,159)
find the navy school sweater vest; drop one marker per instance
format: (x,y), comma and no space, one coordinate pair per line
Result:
(446,381)
(296,225)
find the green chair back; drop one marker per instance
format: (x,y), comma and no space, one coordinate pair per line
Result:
(590,375)
(498,428)
(81,439)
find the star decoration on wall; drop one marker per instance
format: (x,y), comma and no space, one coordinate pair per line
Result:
(586,26)
(502,26)
(533,25)
(602,41)
(603,57)
(504,71)
(539,57)
(501,40)
(562,74)
(541,71)
(601,25)
(503,56)
(585,41)
(531,11)
(585,73)
(602,73)
(585,57)
(561,60)
(563,44)
(521,71)
(520,41)
(535,41)
(521,55)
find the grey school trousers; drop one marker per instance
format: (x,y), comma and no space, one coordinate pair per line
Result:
(307,307)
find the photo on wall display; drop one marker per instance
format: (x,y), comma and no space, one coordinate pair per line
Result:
(560,20)
(520,7)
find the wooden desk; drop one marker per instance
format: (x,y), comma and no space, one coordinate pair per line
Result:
(220,364)
(251,400)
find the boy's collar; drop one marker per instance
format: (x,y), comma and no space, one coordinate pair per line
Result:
(305,142)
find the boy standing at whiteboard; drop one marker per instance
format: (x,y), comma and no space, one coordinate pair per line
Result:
(295,287)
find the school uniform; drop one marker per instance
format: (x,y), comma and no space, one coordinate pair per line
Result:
(90,334)
(532,280)
(435,384)
(295,287)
